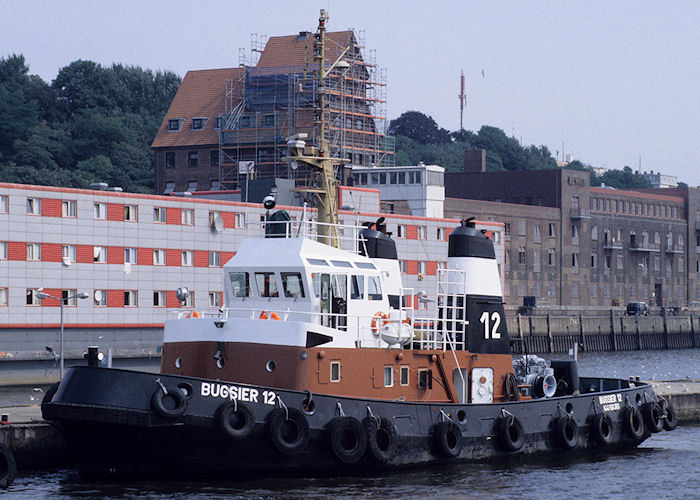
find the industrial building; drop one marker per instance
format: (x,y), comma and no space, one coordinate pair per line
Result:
(226,126)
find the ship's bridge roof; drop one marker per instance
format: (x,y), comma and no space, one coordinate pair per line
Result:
(290,252)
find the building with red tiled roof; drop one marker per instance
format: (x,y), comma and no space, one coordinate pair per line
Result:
(226,124)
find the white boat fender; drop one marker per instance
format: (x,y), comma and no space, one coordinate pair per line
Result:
(566,431)
(633,423)
(510,431)
(348,439)
(288,430)
(382,439)
(235,420)
(8,466)
(602,427)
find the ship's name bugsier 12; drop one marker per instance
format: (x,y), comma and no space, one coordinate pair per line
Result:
(247,394)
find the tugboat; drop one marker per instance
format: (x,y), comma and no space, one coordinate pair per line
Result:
(318,362)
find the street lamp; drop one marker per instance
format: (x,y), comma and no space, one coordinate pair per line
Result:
(61,300)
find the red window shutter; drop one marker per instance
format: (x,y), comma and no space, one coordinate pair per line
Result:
(171,299)
(84,254)
(16,250)
(115,212)
(50,207)
(173,257)
(115,298)
(201,258)
(411,232)
(411,267)
(51,252)
(431,268)
(54,292)
(173,215)
(229,219)
(115,255)
(144,256)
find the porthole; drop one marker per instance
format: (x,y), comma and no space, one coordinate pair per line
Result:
(270,366)
(461,416)
(186,388)
(178,362)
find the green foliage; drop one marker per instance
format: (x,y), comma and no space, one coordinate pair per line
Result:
(90,124)
(419,127)
(621,179)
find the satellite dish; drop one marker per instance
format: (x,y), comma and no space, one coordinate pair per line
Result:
(127,267)
(218,223)
(98,295)
(66,261)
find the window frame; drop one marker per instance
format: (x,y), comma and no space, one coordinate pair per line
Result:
(69,209)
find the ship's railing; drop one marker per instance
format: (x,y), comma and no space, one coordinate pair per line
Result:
(345,236)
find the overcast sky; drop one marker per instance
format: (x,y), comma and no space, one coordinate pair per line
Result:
(609,82)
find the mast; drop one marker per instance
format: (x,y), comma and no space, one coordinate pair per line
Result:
(325,188)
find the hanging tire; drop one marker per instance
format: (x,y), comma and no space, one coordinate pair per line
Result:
(171,405)
(235,420)
(382,439)
(510,432)
(633,423)
(566,432)
(602,428)
(448,439)
(510,386)
(348,439)
(671,420)
(653,416)
(288,430)
(8,466)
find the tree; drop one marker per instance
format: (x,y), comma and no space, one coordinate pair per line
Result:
(419,127)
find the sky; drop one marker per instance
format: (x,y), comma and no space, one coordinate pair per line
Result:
(612,83)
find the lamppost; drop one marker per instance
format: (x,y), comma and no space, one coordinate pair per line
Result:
(61,300)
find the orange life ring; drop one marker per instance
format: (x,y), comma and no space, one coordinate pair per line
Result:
(407,321)
(379,320)
(193,314)
(273,315)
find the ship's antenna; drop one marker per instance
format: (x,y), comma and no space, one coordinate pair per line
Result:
(462,101)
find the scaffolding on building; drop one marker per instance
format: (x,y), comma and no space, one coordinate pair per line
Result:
(268,104)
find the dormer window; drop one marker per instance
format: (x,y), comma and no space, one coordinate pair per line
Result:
(175,125)
(199,123)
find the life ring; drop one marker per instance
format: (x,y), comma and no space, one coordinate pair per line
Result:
(510,385)
(381,439)
(633,423)
(566,432)
(407,321)
(235,420)
(8,466)
(379,320)
(653,416)
(193,314)
(273,315)
(510,432)
(348,439)
(602,428)
(170,405)
(671,420)
(288,430)
(448,439)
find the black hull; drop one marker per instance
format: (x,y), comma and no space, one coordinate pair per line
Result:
(112,426)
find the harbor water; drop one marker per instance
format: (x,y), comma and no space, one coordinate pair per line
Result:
(667,465)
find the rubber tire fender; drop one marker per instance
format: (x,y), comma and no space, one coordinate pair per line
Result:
(382,440)
(671,420)
(653,416)
(506,425)
(243,424)
(159,397)
(280,423)
(348,439)
(448,439)
(602,428)
(633,423)
(8,466)
(566,432)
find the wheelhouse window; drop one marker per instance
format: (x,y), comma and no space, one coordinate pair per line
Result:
(292,285)
(240,284)
(357,287)
(374,288)
(267,284)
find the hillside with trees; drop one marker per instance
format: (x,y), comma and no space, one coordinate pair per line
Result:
(419,138)
(91,124)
